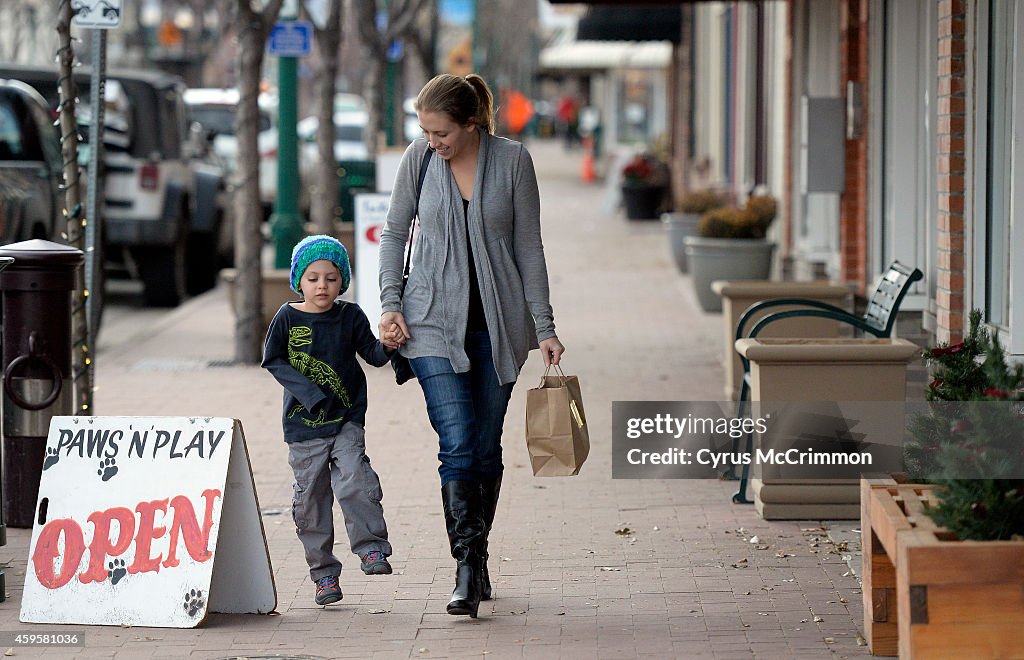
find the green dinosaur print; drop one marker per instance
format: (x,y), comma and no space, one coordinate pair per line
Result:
(317,371)
(313,423)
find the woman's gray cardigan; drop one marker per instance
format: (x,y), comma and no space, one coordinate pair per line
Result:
(504,230)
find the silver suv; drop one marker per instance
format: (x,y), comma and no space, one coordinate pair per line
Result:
(166,217)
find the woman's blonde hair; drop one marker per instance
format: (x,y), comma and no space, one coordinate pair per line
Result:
(466,100)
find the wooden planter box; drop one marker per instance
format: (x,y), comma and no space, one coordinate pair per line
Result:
(927,595)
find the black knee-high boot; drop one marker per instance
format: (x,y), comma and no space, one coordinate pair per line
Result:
(489,502)
(464,519)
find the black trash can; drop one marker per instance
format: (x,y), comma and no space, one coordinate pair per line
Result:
(37,384)
(354,177)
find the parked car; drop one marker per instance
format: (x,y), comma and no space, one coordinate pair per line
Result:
(165,211)
(215,110)
(30,166)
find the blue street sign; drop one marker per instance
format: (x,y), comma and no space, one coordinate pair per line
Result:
(290,39)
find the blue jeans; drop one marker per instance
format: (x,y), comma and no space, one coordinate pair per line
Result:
(466,410)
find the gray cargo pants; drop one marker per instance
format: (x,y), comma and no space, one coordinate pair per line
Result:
(337,463)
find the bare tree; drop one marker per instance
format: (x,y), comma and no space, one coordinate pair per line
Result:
(324,202)
(401,14)
(81,359)
(253,28)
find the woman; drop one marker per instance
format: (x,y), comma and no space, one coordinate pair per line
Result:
(475,304)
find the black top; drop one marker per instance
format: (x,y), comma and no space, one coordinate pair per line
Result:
(313,357)
(477,320)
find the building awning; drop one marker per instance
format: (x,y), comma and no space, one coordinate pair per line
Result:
(585,56)
(635,23)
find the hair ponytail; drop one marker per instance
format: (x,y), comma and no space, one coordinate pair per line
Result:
(484,117)
(466,100)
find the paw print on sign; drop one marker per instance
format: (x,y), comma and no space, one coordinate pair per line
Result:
(117,571)
(51,458)
(108,468)
(194,602)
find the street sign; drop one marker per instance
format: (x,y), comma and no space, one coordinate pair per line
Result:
(290,39)
(97,14)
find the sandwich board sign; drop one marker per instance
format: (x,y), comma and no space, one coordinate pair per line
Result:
(146,521)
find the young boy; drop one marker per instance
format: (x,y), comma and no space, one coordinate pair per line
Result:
(310,349)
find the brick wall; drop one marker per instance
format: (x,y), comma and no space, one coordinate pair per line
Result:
(853,204)
(950,281)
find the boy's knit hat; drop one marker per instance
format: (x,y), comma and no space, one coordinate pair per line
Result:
(314,248)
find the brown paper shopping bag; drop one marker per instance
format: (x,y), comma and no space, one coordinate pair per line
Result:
(556,427)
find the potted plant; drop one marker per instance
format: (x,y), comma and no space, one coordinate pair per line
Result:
(951,549)
(730,245)
(644,186)
(683,222)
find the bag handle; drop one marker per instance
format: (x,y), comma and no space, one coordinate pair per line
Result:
(558,372)
(573,408)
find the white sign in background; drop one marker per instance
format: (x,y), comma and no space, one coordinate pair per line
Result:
(146,521)
(97,14)
(371,214)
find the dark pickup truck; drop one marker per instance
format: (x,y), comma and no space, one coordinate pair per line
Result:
(30,166)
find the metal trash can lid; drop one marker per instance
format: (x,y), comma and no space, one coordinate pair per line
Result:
(38,253)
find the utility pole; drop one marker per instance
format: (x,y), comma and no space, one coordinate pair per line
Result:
(286,221)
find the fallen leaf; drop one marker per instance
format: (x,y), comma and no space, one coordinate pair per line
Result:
(860,640)
(847,574)
(379,611)
(655,528)
(818,619)
(423,649)
(609,568)
(506,559)
(754,539)
(842,600)
(783,555)
(9,651)
(763,546)
(625,531)
(830,640)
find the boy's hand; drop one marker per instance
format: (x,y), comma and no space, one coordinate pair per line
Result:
(393,331)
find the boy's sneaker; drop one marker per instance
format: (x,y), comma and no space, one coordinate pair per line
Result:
(327,590)
(375,563)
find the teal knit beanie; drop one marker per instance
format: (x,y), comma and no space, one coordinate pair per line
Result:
(314,248)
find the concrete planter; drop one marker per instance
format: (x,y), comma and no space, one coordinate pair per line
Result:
(713,259)
(738,295)
(784,370)
(677,227)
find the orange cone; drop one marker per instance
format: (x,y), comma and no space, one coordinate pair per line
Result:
(588,174)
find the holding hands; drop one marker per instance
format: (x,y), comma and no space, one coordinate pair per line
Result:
(393,331)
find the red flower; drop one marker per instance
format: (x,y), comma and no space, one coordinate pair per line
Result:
(947,350)
(935,384)
(997,393)
(641,168)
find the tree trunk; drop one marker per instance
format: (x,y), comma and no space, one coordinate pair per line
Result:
(252,37)
(324,202)
(81,352)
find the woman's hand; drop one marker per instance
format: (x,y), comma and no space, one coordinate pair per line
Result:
(392,329)
(551,350)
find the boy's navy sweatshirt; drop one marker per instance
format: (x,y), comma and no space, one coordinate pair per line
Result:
(313,357)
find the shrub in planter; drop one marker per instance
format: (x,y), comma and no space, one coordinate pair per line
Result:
(731,245)
(751,221)
(968,433)
(683,221)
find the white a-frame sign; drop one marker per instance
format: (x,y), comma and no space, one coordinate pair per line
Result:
(146,521)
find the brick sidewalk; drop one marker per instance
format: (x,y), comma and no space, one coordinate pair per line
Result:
(686,582)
